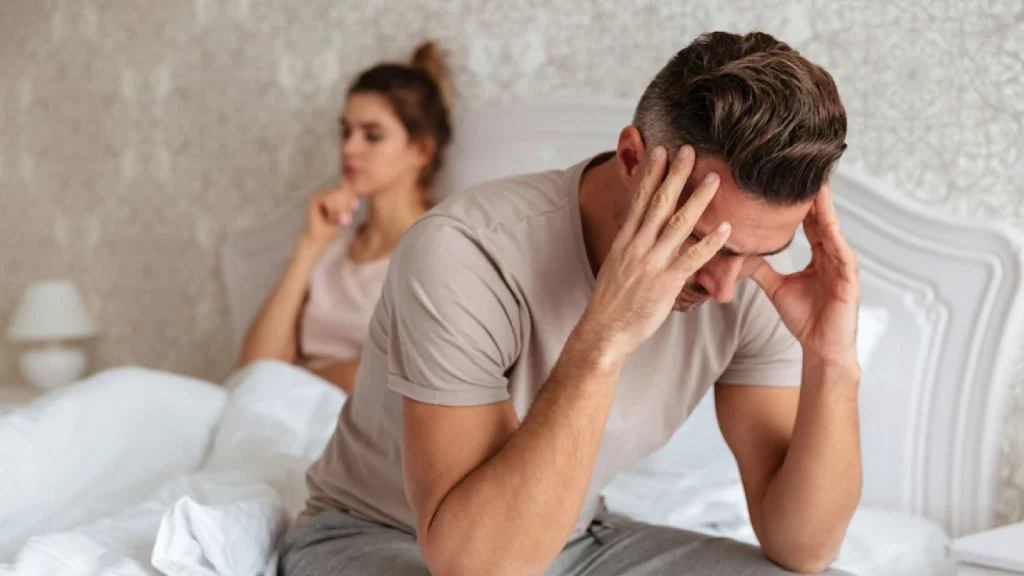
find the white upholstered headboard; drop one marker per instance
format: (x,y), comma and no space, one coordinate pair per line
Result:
(934,395)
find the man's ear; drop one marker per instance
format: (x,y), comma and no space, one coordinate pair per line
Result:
(630,153)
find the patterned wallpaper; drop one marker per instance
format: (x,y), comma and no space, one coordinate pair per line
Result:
(135,135)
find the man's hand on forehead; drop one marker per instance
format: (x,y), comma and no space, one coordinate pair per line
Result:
(639,281)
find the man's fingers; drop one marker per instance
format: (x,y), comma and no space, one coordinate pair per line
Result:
(824,209)
(700,253)
(767,278)
(664,201)
(810,225)
(680,225)
(828,236)
(653,172)
(840,250)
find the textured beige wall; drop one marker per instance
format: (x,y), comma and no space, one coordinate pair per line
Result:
(134,135)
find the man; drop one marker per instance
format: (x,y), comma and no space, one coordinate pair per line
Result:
(525,349)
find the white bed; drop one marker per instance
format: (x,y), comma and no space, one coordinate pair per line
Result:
(946,307)
(941,307)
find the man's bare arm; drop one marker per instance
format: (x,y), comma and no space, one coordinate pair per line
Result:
(804,479)
(800,466)
(491,493)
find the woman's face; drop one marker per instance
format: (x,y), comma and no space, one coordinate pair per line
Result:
(376,152)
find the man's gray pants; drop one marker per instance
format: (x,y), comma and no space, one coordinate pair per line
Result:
(336,544)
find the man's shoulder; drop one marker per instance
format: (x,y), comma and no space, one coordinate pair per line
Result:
(489,234)
(505,202)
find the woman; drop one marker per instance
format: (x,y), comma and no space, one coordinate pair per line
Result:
(394,128)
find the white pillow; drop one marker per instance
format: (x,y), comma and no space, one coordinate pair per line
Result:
(692,482)
(275,408)
(98,446)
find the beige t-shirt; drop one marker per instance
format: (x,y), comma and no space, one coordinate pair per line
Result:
(480,298)
(342,295)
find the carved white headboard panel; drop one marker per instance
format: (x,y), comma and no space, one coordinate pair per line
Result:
(934,394)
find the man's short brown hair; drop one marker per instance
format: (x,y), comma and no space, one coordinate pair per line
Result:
(768,113)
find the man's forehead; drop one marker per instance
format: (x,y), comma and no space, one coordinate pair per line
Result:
(739,244)
(757,228)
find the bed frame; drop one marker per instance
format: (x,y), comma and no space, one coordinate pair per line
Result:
(934,396)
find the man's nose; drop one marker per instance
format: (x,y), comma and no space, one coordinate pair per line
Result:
(719,277)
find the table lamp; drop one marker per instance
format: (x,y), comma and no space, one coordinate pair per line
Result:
(50,316)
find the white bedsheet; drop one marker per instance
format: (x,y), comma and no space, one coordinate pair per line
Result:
(878,542)
(275,422)
(92,449)
(224,518)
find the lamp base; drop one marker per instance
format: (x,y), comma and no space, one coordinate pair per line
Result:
(52,366)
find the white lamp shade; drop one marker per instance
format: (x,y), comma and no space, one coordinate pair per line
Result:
(49,311)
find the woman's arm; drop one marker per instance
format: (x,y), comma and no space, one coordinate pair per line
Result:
(274,333)
(341,374)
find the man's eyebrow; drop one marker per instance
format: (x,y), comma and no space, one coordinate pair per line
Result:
(726,251)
